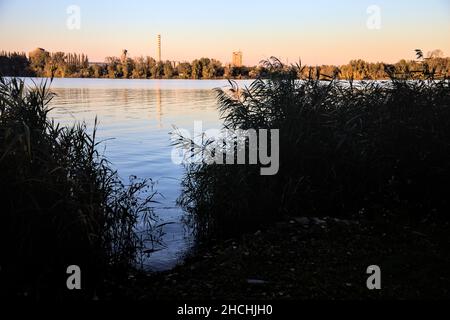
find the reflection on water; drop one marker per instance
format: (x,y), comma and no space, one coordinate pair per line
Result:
(135,118)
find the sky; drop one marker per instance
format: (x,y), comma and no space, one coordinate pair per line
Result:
(317,31)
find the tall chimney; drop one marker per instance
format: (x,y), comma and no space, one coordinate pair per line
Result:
(159,48)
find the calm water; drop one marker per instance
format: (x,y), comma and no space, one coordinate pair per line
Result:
(135,118)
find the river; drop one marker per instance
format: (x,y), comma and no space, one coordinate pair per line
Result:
(135,118)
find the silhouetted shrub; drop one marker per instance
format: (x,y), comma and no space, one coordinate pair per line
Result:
(61,203)
(346,149)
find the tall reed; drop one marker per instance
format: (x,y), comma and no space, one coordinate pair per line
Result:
(353,149)
(61,203)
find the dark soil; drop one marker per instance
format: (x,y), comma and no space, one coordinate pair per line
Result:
(310,259)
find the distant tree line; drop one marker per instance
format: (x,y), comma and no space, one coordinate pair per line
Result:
(42,63)
(15,64)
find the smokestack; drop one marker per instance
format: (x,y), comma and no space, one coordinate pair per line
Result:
(159,48)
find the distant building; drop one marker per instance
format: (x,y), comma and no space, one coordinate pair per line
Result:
(159,47)
(237,59)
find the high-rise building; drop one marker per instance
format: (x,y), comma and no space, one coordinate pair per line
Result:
(159,47)
(237,59)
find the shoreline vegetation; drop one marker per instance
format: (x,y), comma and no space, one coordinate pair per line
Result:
(41,63)
(62,203)
(354,151)
(363,180)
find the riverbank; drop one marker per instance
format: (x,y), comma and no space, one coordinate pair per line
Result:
(303,258)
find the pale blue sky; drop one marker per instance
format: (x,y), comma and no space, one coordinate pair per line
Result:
(319,31)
